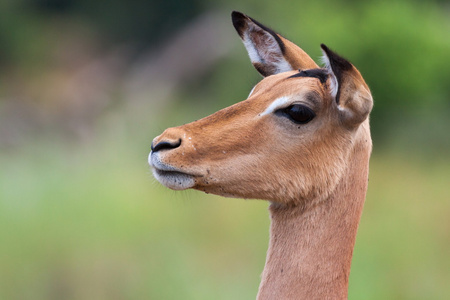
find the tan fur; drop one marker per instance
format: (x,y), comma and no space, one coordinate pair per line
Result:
(353,87)
(315,174)
(296,57)
(310,250)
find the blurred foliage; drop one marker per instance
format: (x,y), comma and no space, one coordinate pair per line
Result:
(27,26)
(118,21)
(82,219)
(83,224)
(401,47)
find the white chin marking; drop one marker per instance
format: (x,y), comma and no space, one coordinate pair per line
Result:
(168,175)
(174,180)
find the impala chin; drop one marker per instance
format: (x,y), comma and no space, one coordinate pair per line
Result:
(169,176)
(174,180)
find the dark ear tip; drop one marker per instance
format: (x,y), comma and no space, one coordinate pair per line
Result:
(325,48)
(237,16)
(238,20)
(236,13)
(335,59)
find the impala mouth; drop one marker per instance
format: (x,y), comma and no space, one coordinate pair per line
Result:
(173,179)
(169,176)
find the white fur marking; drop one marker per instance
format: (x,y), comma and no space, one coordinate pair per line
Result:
(168,175)
(283,66)
(333,80)
(252,52)
(276,104)
(251,92)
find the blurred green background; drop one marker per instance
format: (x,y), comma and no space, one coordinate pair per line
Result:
(86,85)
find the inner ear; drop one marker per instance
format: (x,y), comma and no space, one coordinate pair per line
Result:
(351,92)
(265,47)
(336,66)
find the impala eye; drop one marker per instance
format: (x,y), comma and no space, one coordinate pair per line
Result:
(298,113)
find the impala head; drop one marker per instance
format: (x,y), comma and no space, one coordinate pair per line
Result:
(289,142)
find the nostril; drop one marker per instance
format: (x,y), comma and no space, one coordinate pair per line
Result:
(164,145)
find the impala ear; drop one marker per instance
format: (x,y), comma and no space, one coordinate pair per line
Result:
(347,86)
(269,52)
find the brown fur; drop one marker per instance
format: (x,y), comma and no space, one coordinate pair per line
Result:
(315,174)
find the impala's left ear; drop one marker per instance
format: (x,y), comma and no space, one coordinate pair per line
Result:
(269,52)
(347,86)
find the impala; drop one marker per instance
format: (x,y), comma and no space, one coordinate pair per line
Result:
(301,140)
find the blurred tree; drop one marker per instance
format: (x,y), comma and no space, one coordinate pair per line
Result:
(144,21)
(400,46)
(55,6)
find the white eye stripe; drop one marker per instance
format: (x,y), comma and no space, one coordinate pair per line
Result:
(251,92)
(276,104)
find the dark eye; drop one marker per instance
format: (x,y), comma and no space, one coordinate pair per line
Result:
(299,113)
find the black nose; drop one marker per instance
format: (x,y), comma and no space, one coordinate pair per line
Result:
(165,145)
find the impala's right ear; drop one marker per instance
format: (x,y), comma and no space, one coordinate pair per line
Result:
(269,52)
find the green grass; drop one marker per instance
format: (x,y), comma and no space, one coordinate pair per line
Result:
(78,223)
(404,237)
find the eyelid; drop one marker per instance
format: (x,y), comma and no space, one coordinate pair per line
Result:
(298,103)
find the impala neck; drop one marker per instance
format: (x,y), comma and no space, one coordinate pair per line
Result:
(310,250)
